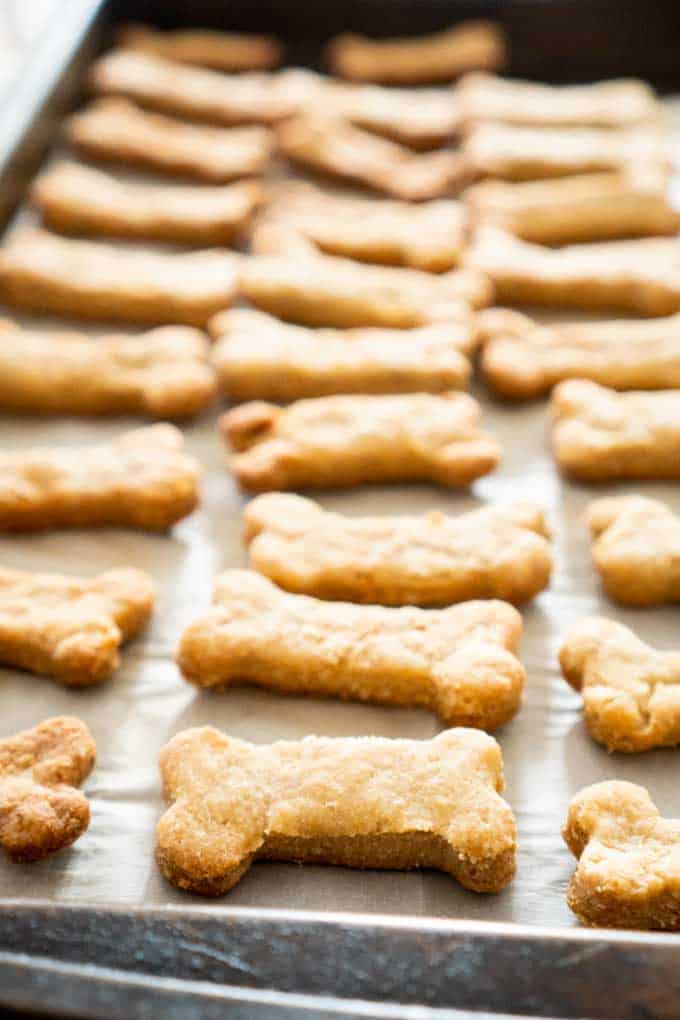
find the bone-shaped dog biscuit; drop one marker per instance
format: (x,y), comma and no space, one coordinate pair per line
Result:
(117,131)
(223,51)
(342,441)
(361,802)
(496,552)
(142,479)
(600,435)
(41,810)
(627,874)
(259,357)
(458,662)
(636,549)
(70,628)
(631,691)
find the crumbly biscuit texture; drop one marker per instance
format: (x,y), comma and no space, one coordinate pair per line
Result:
(41,810)
(627,874)
(222,51)
(362,802)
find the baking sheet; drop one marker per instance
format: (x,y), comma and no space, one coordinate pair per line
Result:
(547,752)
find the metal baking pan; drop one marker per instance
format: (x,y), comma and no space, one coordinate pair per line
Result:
(95,931)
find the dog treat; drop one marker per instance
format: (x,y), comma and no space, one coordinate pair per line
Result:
(441,56)
(640,277)
(586,207)
(332,146)
(600,435)
(258,357)
(223,51)
(75,199)
(340,441)
(627,875)
(636,549)
(610,104)
(523,359)
(70,628)
(496,552)
(41,810)
(42,272)
(360,802)
(631,691)
(165,373)
(428,236)
(420,118)
(142,479)
(117,131)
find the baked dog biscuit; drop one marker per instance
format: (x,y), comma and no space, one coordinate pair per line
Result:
(496,552)
(164,373)
(627,874)
(640,277)
(600,435)
(142,479)
(258,357)
(41,810)
(70,628)
(75,199)
(42,272)
(342,441)
(441,56)
(631,692)
(223,51)
(359,802)
(117,131)
(524,359)
(636,549)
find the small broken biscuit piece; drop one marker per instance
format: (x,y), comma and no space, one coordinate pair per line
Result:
(165,373)
(75,199)
(441,56)
(142,479)
(222,51)
(70,628)
(41,811)
(600,435)
(523,359)
(631,691)
(43,272)
(499,552)
(358,802)
(640,277)
(636,549)
(627,873)
(341,441)
(117,131)
(258,357)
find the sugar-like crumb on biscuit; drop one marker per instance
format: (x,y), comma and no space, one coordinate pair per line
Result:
(41,810)
(627,875)
(222,51)
(360,802)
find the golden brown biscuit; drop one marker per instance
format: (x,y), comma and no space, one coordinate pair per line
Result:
(498,552)
(258,357)
(40,809)
(627,875)
(117,131)
(223,51)
(523,359)
(164,373)
(75,199)
(70,628)
(631,691)
(349,440)
(600,435)
(639,277)
(360,802)
(636,549)
(42,272)
(441,56)
(142,479)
